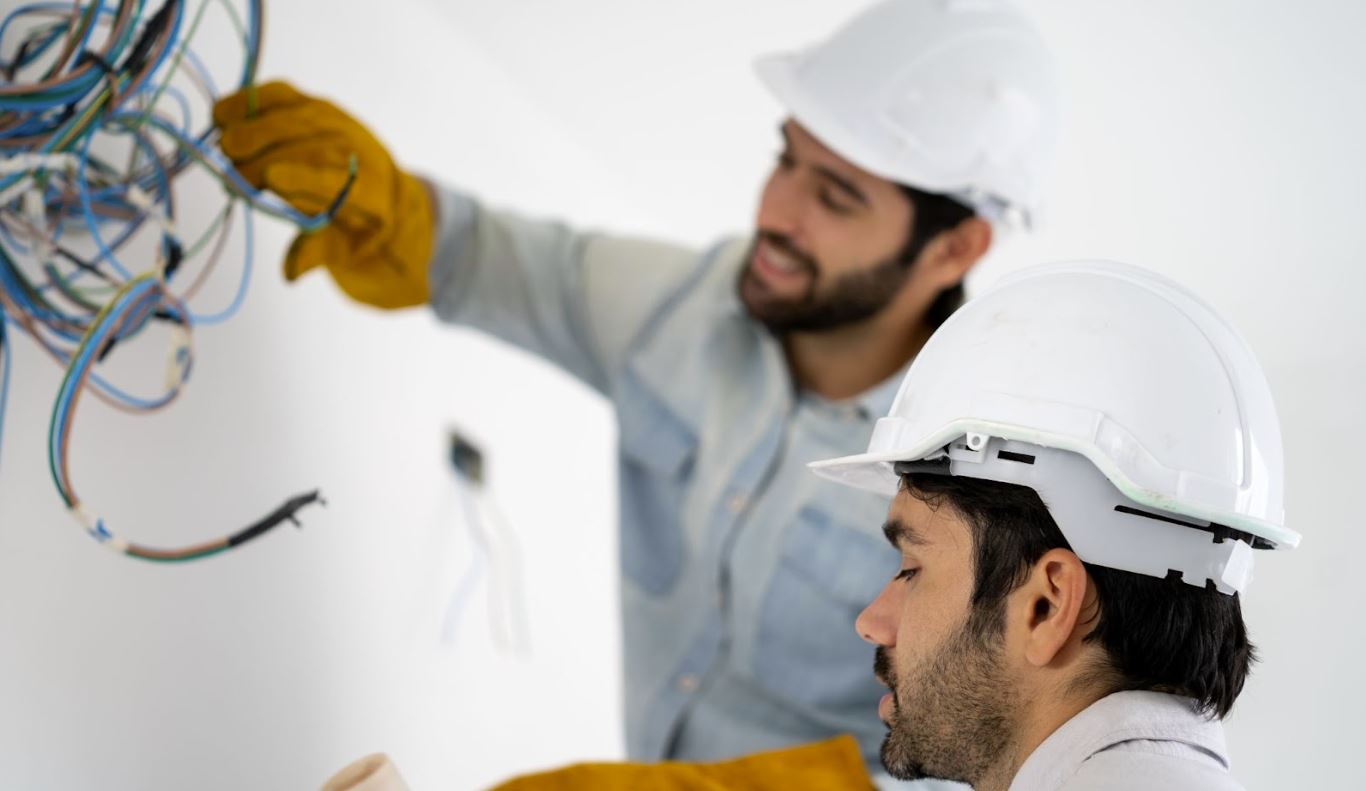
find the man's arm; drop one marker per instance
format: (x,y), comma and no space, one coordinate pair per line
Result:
(577,299)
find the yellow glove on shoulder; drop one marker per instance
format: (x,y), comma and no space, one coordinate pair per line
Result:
(833,765)
(380,243)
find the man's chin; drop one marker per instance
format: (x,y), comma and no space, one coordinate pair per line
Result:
(779,314)
(898,752)
(759,302)
(898,766)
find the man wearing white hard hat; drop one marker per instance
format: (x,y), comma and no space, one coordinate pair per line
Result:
(913,132)
(1083,462)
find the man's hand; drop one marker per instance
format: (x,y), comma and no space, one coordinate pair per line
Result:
(300,147)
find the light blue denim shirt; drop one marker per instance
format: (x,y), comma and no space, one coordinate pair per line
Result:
(742,573)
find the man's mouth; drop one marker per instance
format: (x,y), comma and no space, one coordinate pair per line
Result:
(775,265)
(882,669)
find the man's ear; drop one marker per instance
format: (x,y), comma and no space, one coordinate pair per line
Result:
(948,258)
(1051,605)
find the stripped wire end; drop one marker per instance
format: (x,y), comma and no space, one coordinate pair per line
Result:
(298,503)
(287,512)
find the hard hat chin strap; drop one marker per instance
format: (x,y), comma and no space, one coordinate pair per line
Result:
(1104,527)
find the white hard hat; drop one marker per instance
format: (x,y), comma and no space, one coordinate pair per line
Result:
(1139,415)
(949,96)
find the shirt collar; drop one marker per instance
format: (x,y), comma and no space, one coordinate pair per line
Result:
(870,405)
(877,401)
(1117,718)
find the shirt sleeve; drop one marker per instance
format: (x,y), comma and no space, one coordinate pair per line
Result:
(578,299)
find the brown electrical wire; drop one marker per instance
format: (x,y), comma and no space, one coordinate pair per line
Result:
(123,18)
(214,255)
(119,104)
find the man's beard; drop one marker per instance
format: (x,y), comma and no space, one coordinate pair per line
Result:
(851,298)
(953,718)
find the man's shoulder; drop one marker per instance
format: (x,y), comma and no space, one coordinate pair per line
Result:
(1139,766)
(653,274)
(675,291)
(687,324)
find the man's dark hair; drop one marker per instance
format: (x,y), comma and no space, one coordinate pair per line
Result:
(1160,634)
(935,213)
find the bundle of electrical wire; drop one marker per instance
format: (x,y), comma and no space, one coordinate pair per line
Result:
(74,78)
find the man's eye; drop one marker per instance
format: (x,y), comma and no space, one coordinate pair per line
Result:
(834,205)
(785,161)
(906,574)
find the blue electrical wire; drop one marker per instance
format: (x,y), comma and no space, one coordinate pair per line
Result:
(265,202)
(88,211)
(202,72)
(28,9)
(6,355)
(208,320)
(107,206)
(136,298)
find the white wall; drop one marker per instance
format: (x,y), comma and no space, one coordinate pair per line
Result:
(1219,142)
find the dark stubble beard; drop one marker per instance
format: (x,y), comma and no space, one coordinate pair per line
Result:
(851,298)
(953,718)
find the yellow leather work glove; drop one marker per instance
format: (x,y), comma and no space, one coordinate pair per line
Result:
(380,243)
(833,765)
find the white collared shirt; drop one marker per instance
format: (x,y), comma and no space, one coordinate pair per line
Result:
(1132,741)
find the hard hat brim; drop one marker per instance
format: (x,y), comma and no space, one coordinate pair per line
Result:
(873,472)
